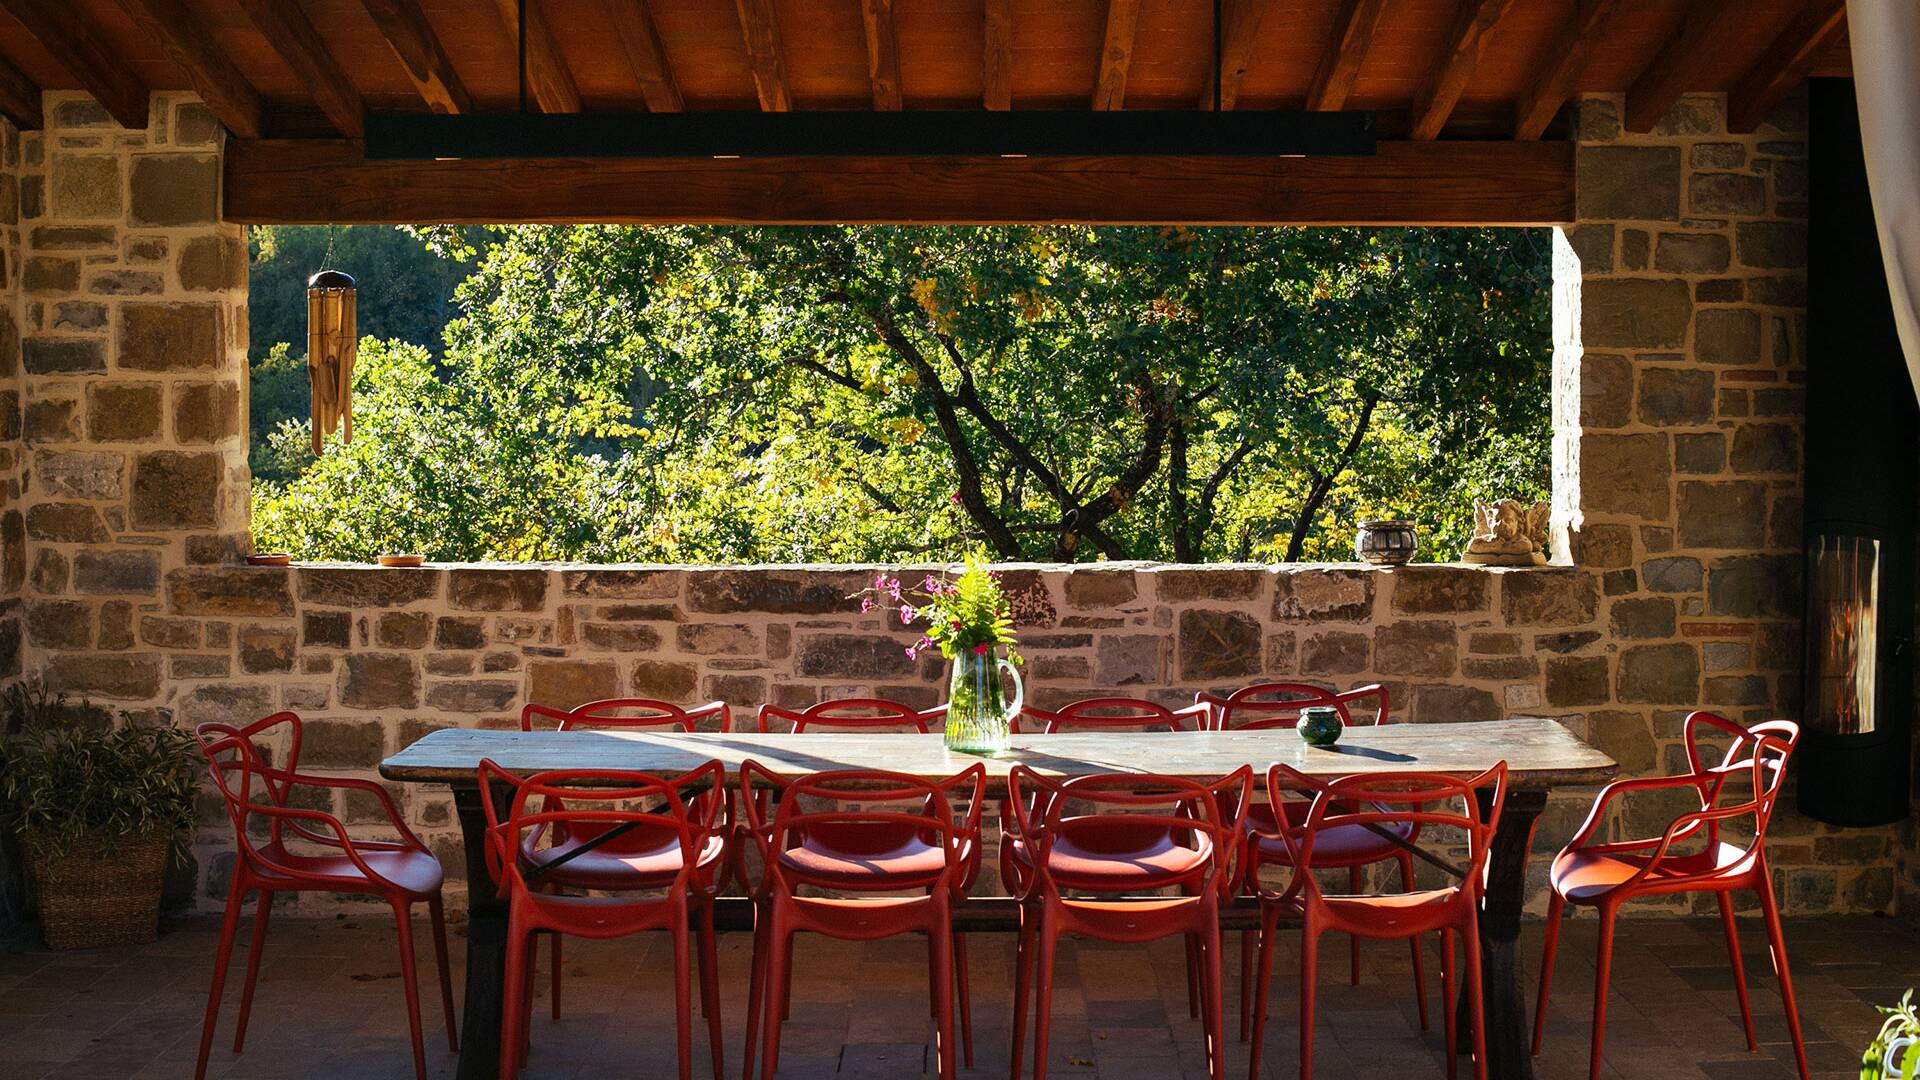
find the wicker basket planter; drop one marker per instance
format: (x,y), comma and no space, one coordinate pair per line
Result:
(99,891)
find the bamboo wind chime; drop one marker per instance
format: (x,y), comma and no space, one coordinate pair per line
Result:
(332,340)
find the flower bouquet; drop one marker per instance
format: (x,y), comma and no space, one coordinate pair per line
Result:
(968,620)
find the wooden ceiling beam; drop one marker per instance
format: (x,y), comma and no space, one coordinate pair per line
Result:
(19,98)
(762,33)
(1116,54)
(883,54)
(1554,83)
(549,81)
(1340,65)
(420,53)
(1472,29)
(286,27)
(229,95)
(646,54)
(61,30)
(1676,68)
(1785,64)
(996,66)
(1430,183)
(1242,22)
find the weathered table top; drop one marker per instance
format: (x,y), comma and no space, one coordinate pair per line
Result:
(1539,753)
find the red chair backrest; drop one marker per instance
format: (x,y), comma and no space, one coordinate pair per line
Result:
(244,776)
(616,713)
(1384,800)
(1757,755)
(587,801)
(1112,714)
(1208,816)
(852,714)
(854,813)
(1278,704)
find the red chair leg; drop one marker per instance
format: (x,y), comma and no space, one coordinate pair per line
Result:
(229,925)
(554,979)
(756,990)
(1309,990)
(1446,995)
(1777,944)
(943,1000)
(1556,910)
(1353,945)
(1043,1009)
(1248,946)
(682,993)
(710,990)
(1022,988)
(513,1008)
(1210,989)
(1476,997)
(1739,966)
(262,908)
(1413,944)
(786,986)
(1193,978)
(779,952)
(409,982)
(963,980)
(438,913)
(1602,971)
(1269,926)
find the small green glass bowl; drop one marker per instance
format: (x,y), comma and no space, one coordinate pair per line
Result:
(1319,726)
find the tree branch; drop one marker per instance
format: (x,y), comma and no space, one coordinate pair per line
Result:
(1324,483)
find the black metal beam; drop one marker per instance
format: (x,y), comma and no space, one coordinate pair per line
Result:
(420,136)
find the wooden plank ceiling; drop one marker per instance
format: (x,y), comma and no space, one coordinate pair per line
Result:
(1430,69)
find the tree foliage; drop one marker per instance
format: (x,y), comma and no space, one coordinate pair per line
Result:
(877,393)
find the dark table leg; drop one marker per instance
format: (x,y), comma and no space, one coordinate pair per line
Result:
(486,946)
(1509,1054)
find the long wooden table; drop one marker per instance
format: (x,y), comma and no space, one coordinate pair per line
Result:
(1540,755)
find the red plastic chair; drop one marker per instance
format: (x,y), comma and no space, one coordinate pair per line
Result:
(816,840)
(323,858)
(1142,834)
(1110,714)
(681,857)
(852,714)
(1278,705)
(1400,803)
(1605,875)
(603,868)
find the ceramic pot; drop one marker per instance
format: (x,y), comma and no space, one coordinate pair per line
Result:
(1319,726)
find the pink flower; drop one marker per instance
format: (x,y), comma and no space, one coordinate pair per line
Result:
(880,583)
(980,649)
(866,604)
(956,624)
(912,653)
(893,588)
(906,614)
(954,498)
(932,586)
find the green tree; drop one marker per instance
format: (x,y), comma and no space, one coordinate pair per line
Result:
(1061,392)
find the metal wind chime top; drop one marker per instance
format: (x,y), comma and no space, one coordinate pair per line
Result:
(332,340)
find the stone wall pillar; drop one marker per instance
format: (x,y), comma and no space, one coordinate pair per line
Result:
(13,539)
(134,334)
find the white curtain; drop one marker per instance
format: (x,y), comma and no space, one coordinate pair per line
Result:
(1885,35)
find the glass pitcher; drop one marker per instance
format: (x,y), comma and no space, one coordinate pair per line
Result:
(978,719)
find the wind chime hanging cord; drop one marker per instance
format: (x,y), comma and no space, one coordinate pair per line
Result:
(332,342)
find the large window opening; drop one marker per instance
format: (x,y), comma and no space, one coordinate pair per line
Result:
(882,393)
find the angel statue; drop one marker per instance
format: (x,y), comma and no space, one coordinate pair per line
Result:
(1507,532)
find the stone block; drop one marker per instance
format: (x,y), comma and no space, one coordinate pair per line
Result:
(63,356)
(1334,652)
(175,489)
(175,189)
(665,680)
(1130,660)
(402,629)
(1728,336)
(1548,597)
(1690,116)
(1627,183)
(51,274)
(621,584)
(1634,246)
(1218,645)
(1606,390)
(1675,574)
(1692,253)
(211,263)
(1576,681)
(1766,448)
(567,684)
(1625,474)
(116,626)
(49,571)
(460,632)
(371,680)
(1603,547)
(1097,589)
(1501,668)
(163,336)
(85,186)
(126,283)
(1627,738)
(717,639)
(66,523)
(773,592)
(1029,600)
(77,474)
(59,624)
(205,412)
(326,629)
(1635,313)
(1747,586)
(343,744)
(1700,453)
(474,696)
(1726,195)
(116,572)
(1736,690)
(1772,245)
(51,420)
(1454,705)
(1323,595)
(1670,396)
(497,590)
(261,591)
(1178,586)
(118,677)
(1719,155)
(123,412)
(1642,617)
(1731,514)
(1593,246)
(233,704)
(1437,590)
(853,657)
(265,648)
(1659,675)
(741,692)
(362,587)
(72,237)
(621,637)
(1416,648)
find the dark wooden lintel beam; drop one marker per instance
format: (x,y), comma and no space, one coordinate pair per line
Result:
(1472,29)
(646,54)
(420,53)
(1554,83)
(286,27)
(63,31)
(1676,68)
(1785,64)
(1429,183)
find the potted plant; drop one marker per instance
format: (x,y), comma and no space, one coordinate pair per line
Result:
(967,618)
(95,804)
(1894,1054)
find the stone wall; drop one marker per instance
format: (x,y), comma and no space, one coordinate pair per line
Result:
(13,540)
(1678,311)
